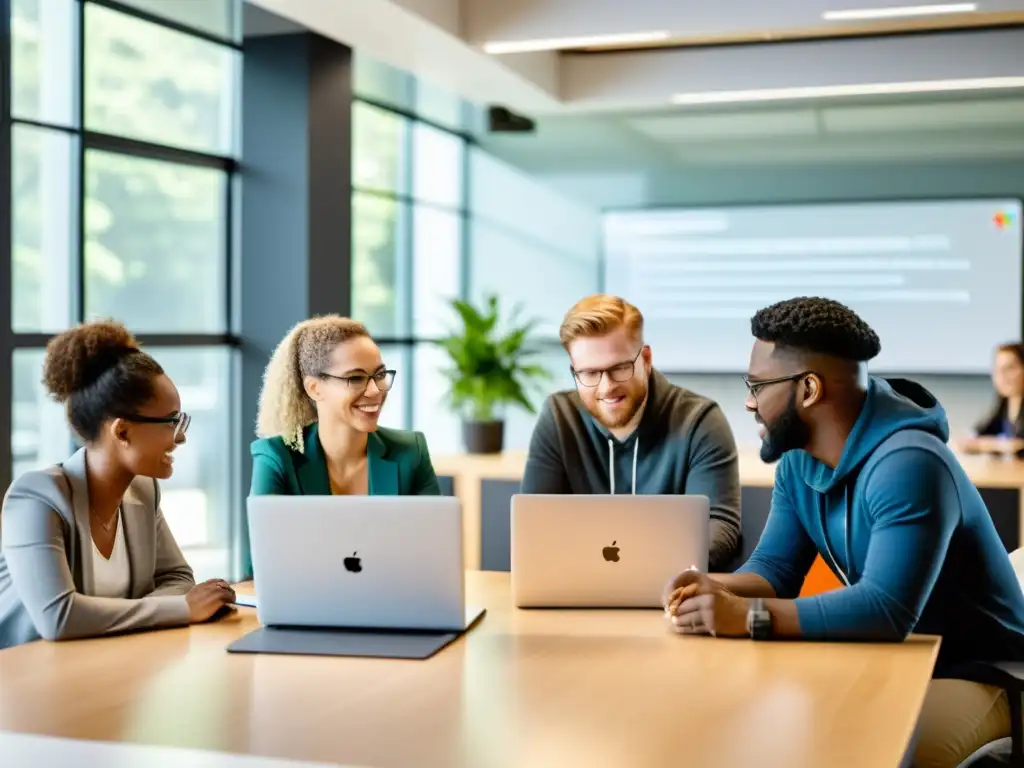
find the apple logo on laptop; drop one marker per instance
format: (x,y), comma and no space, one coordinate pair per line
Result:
(611,554)
(353,564)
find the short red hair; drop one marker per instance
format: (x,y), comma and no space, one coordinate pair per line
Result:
(599,315)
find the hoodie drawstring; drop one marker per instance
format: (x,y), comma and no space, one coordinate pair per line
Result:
(611,463)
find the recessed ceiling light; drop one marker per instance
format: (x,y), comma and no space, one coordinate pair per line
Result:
(860,14)
(563,43)
(864,89)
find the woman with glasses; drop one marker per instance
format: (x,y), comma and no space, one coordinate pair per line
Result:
(318,419)
(84,547)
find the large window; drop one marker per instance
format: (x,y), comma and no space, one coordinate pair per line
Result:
(123,120)
(408,253)
(155,244)
(434,218)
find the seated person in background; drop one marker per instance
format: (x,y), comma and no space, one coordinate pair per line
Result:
(1002,429)
(84,547)
(628,429)
(322,395)
(867,481)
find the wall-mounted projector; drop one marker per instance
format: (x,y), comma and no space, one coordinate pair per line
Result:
(504,120)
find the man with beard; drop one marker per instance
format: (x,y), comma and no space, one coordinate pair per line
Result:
(866,481)
(626,429)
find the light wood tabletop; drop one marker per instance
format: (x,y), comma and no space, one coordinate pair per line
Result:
(523,688)
(984,471)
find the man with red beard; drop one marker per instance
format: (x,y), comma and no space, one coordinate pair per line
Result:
(627,429)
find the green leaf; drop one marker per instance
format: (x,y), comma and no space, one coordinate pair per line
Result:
(487,360)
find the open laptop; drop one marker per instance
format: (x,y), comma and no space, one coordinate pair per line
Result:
(603,551)
(359,562)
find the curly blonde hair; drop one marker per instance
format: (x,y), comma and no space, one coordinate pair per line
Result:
(285,409)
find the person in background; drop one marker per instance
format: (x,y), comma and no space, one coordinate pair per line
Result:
(1001,431)
(84,547)
(867,481)
(625,428)
(322,396)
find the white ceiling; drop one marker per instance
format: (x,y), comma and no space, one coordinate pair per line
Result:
(699,22)
(443,41)
(637,145)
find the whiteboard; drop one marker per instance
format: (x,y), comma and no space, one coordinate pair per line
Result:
(939,281)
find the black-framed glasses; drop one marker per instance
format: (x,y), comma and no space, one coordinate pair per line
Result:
(756,386)
(618,373)
(180,421)
(383,379)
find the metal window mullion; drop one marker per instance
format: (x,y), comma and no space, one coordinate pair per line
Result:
(6,251)
(465,266)
(408,260)
(124,145)
(78,257)
(410,115)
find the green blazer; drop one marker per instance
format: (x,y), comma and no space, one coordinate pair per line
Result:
(398,465)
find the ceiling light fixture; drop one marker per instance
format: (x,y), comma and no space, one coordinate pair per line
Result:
(564,43)
(864,89)
(860,14)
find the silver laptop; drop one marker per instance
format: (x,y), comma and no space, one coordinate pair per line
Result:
(373,562)
(589,551)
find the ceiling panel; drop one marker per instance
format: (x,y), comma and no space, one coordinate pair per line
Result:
(736,125)
(917,130)
(831,151)
(965,115)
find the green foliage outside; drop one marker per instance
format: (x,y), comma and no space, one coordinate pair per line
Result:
(489,365)
(377,144)
(154,231)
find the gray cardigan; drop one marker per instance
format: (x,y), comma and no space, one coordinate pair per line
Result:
(46,575)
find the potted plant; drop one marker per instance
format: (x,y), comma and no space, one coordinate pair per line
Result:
(489,369)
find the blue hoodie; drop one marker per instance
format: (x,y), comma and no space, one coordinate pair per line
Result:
(922,554)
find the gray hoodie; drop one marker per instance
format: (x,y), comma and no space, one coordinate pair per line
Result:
(682,445)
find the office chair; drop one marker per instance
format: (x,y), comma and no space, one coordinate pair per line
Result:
(1008,675)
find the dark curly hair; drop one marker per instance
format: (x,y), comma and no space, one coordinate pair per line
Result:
(99,372)
(821,326)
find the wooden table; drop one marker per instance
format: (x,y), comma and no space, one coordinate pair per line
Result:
(523,688)
(1000,480)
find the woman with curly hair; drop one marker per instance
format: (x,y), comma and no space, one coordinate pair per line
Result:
(323,391)
(84,547)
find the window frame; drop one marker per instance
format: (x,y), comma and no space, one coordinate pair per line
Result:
(85,140)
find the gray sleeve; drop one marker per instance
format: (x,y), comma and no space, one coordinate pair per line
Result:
(714,472)
(34,546)
(173,574)
(545,469)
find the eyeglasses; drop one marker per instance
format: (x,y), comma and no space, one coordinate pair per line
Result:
(756,386)
(180,420)
(383,379)
(618,373)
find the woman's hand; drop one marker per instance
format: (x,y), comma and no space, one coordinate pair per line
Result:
(204,600)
